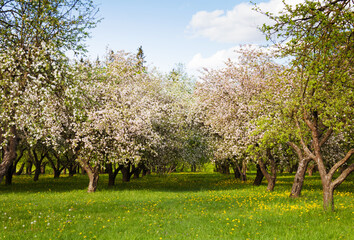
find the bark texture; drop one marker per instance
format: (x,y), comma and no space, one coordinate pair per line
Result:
(271,177)
(259,176)
(240,171)
(37,160)
(92,173)
(126,173)
(93,177)
(12,169)
(9,153)
(112,174)
(300,172)
(57,168)
(299,178)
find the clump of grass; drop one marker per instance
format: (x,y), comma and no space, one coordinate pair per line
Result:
(177,206)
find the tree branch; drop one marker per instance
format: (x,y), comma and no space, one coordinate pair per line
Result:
(343,176)
(263,169)
(306,149)
(296,149)
(340,163)
(326,136)
(311,125)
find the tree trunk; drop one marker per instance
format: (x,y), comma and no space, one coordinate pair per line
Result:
(19,172)
(9,153)
(243,177)
(226,168)
(240,172)
(37,172)
(9,174)
(55,165)
(136,171)
(126,173)
(271,184)
(109,170)
(312,170)
(193,167)
(299,178)
(29,168)
(43,167)
(271,177)
(111,179)
(94,176)
(216,168)
(328,184)
(317,157)
(72,169)
(300,172)
(12,169)
(37,160)
(146,171)
(57,173)
(112,174)
(92,173)
(243,171)
(328,201)
(237,172)
(181,170)
(259,176)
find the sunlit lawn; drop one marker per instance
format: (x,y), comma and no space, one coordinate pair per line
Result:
(177,206)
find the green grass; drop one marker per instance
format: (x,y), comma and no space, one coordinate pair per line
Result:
(177,206)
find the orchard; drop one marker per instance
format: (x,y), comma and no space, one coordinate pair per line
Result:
(276,113)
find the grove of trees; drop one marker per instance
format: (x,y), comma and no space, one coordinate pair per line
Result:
(115,114)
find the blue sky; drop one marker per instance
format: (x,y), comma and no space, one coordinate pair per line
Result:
(196,33)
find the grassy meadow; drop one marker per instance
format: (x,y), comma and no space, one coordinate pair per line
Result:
(176,206)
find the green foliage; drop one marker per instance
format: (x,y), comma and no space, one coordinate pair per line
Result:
(141,57)
(318,36)
(65,23)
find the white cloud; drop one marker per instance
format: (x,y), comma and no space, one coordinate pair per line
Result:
(239,25)
(217,60)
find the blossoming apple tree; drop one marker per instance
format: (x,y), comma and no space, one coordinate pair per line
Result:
(230,104)
(118,105)
(34,36)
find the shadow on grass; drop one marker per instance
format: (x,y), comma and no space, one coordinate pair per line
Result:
(179,182)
